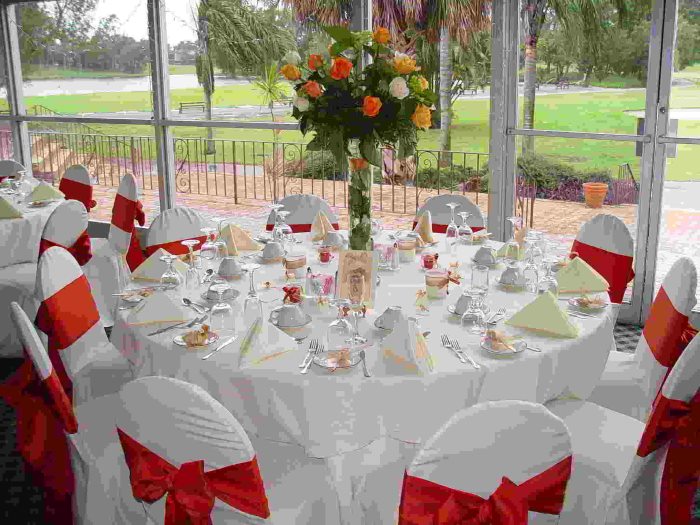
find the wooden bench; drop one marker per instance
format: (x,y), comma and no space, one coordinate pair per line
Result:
(185,105)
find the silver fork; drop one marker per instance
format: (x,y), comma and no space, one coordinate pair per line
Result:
(447,344)
(313,345)
(457,348)
(319,349)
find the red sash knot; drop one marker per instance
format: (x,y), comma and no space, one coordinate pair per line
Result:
(81,249)
(424,502)
(191,491)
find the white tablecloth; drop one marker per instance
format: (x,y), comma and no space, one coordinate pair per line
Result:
(19,238)
(333,413)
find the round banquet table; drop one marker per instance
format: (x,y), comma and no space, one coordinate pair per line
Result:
(331,414)
(20,237)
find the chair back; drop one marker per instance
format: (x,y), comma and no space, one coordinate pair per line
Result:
(441,214)
(9,168)
(661,485)
(125,211)
(606,244)
(302,212)
(190,437)
(502,456)
(67,227)
(76,184)
(67,312)
(172,227)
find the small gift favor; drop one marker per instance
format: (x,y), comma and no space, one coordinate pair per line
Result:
(295,263)
(292,294)
(407,250)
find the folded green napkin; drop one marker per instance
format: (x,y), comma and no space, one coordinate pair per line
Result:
(543,315)
(44,192)
(8,210)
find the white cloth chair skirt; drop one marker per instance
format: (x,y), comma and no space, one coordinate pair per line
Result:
(173,225)
(441,214)
(303,210)
(10,168)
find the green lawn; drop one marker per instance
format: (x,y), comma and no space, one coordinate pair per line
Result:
(48,73)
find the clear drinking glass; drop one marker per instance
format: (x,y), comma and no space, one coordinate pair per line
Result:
(473,318)
(531,274)
(275,208)
(339,332)
(171,277)
(285,231)
(209,251)
(512,251)
(548,283)
(219,242)
(192,278)
(451,232)
(252,306)
(221,318)
(465,232)
(480,278)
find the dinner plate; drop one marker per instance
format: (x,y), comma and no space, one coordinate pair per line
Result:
(501,353)
(574,301)
(40,204)
(229,294)
(180,341)
(133,299)
(328,360)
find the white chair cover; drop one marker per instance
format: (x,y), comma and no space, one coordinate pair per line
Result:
(68,316)
(66,223)
(303,210)
(441,214)
(108,271)
(480,445)
(76,184)
(9,168)
(630,381)
(173,226)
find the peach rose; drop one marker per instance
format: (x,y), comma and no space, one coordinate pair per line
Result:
(371,106)
(422,116)
(341,68)
(315,62)
(290,72)
(358,164)
(423,82)
(381,35)
(404,64)
(313,89)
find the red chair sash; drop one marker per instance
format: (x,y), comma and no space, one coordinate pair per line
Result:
(664,330)
(77,191)
(191,491)
(676,423)
(615,268)
(174,247)
(125,212)
(424,502)
(81,249)
(442,228)
(300,228)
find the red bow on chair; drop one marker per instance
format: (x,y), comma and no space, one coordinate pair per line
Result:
(81,249)
(191,491)
(677,423)
(427,503)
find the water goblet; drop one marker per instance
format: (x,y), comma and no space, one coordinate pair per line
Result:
(480,278)
(473,318)
(285,231)
(548,283)
(531,275)
(451,232)
(171,277)
(339,332)
(209,251)
(192,279)
(221,317)
(219,242)
(252,306)
(465,232)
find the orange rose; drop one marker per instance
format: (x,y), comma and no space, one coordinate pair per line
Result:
(290,72)
(404,64)
(341,68)
(423,82)
(315,62)
(313,89)
(358,164)
(371,106)
(422,117)
(381,35)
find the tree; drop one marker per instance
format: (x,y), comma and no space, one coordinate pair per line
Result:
(205,66)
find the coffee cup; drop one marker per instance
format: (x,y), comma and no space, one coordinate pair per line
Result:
(462,303)
(333,239)
(272,251)
(288,316)
(389,318)
(229,268)
(512,276)
(324,254)
(485,255)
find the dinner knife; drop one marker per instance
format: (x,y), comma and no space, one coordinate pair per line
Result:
(161,330)
(222,345)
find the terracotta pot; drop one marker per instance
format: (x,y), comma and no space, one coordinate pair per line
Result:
(594,193)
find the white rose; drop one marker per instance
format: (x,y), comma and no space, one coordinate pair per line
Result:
(301,103)
(292,57)
(398,88)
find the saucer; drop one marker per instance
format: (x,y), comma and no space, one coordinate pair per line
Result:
(327,360)
(40,204)
(500,353)
(229,294)
(574,301)
(179,341)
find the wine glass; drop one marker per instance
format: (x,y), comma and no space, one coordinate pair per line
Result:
(512,250)
(531,273)
(465,232)
(171,278)
(219,242)
(548,283)
(192,279)
(252,306)
(339,332)
(451,233)
(275,208)
(221,317)
(473,318)
(285,231)
(209,251)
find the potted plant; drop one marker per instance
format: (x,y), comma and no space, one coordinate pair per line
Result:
(594,191)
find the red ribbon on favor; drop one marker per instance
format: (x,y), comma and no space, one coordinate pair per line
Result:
(81,249)
(292,294)
(676,423)
(424,502)
(191,491)
(77,191)
(615,268)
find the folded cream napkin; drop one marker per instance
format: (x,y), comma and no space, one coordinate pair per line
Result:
(580,277)
(44,192)
(320,227)
(543,315)
(157,308)
(237,239)
(8,210)
(424,227)
(153,268)
(404,351)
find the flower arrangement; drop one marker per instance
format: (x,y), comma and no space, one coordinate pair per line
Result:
(354,113)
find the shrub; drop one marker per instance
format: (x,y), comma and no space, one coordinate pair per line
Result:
(318,165)
(454,178)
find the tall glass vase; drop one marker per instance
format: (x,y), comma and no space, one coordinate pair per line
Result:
(360,204)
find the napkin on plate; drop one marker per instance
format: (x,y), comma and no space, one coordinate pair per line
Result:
(8,210)
(157,308)
(153,268)
(424,227)
(404,351)
(44,192)
(237,239)
(543,315)
(579,277)
(320,227)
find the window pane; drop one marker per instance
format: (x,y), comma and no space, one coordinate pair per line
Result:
(685,91)
(550,193)
(85,58)
(108,153)
(581,74)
